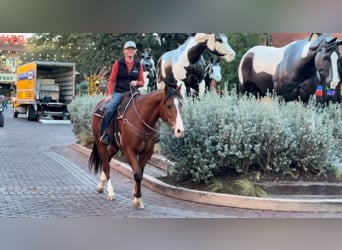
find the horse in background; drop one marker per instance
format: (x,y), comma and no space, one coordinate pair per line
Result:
(150,74)
(211,80)
(134,131)
(325,94)
(185,64)
(213,76)
(293,71)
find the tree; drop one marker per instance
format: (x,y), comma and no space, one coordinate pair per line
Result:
(92,51)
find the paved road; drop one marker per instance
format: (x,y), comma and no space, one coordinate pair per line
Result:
(41,176)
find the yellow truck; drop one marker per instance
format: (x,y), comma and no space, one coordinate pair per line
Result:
(44,89)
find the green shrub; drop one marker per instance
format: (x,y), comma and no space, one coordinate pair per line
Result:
(236,134)
(231,133)
(80,116)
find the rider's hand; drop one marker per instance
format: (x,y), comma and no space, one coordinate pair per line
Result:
(133,83)
(108,98)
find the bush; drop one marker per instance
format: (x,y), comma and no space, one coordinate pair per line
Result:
(80,116)
(240,134)
(231,133)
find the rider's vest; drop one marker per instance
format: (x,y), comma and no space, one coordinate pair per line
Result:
(124,78)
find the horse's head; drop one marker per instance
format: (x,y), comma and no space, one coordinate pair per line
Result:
(217,43)
(149,69)
(170,111)
(326,60)
(214,70)
(147,62)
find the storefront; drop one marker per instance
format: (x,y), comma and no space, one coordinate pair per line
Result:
(11,45)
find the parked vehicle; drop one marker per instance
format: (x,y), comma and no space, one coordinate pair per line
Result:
(2,118)
(44,89)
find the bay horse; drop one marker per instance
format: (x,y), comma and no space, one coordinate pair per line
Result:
(150,74)
(137,133)
(213,76)
(293,71)
(185,64)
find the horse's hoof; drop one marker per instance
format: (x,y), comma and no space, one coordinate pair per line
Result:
(99,190)
(111,197)
(137,203)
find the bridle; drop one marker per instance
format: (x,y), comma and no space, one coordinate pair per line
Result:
(141,120)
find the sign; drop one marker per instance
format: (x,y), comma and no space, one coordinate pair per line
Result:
(26,75)
(12,39)
(7,77)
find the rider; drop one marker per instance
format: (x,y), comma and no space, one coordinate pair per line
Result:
(125,72)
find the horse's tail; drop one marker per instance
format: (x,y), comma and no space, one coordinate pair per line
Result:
(94,160)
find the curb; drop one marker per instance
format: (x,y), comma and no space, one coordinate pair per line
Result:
(228,200)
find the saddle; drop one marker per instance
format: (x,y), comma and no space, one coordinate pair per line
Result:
(112,129)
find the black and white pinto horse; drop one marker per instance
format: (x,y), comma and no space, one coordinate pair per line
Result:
(293,71)
(150,74)
(325,94)
(186,64)
(212,76)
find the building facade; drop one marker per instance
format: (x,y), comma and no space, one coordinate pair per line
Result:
(11,46)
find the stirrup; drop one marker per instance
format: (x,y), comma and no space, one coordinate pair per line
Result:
(105,139)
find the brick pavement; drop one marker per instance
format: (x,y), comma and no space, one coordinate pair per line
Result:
(41,176)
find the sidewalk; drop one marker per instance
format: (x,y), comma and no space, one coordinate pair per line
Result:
(274,204)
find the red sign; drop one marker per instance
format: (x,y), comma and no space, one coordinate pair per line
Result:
(12,39)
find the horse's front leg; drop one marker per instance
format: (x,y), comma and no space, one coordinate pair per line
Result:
(142,163)
(138,175)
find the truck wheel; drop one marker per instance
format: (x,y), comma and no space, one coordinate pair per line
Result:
(31,113)
(2,119)
(66,116)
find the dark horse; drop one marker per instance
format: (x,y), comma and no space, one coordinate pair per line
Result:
(186,64)
(293,71)
(325,94)
(137,132)
(150,74)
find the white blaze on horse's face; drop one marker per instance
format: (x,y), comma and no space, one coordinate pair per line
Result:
(178,127)
(335,78)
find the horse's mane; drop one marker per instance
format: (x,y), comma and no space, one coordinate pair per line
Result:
(171,92)
(181,47)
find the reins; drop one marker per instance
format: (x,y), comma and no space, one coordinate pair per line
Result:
(140,119)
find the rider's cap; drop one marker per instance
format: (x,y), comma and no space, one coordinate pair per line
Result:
(130,44)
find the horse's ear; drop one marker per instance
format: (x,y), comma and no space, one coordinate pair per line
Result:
(332,40)
(314,36)
(338,42)
(314,41)
(178,88)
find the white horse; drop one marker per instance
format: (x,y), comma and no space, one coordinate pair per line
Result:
(185,65)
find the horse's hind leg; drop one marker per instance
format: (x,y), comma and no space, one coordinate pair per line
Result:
(105,176)
(102,181)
